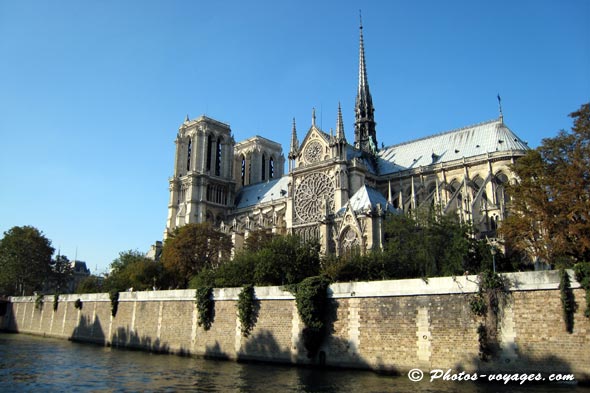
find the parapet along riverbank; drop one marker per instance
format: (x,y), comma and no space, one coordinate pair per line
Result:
(392,326)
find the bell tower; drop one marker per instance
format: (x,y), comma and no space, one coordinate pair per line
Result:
(202,187)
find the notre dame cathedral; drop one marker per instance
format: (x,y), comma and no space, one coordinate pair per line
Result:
(335,191)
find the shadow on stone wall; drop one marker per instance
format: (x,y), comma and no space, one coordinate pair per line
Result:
(87,330)
(263,346)
(214,352)
(127,338)
(8,322)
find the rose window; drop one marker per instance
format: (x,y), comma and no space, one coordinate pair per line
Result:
(313,152)
(311,194)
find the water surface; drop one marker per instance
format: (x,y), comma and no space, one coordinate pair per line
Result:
(37,364)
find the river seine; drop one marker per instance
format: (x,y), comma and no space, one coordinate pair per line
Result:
(36,364)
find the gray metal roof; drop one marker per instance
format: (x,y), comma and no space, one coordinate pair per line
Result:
(367,198)
(262,192)
(488,137)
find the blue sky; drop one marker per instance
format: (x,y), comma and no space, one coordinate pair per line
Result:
(92,92)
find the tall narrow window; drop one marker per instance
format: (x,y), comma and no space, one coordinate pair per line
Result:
(243,170)
(188,155)
(250,170)
(271,168)
(218,158)
(209,147)
(263,167)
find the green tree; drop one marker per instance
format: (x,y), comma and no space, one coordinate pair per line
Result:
(61,273)
(424,244)
(90,284)
(550,204)
(192,248)
(132,269)
(257,240)
(282,260)
(25,257)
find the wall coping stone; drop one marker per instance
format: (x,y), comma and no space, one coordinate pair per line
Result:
(521,281)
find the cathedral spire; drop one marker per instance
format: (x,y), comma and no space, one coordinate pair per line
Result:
(340,126)
(365,137)
(294,141)
(293,151)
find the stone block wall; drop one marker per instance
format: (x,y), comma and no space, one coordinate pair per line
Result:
(386,325)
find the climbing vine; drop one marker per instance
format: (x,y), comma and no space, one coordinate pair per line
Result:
(55,301)
(205,306)
(312,306)
(582,271)
(78,304)
(486,303)
(567,300)
(114,296)
(39,302)
(247,309)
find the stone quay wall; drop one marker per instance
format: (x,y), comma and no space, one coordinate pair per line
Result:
(391,326)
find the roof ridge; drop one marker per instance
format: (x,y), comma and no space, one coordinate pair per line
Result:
(442,133)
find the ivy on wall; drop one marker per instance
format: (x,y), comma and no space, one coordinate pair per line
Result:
(247,309)
(78,304)
(205,306)
(567,300)
(55,301)
(487,303)
(39,302)
(114,296)
(582,271)
(312,306)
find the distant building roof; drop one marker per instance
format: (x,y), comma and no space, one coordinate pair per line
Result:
(80,267)
(488,137)
(262,192)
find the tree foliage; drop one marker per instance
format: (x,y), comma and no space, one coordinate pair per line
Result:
(61,274)
(25,257)
(90,284)
(132,269)
(550,204)
(281,260)
(192,248)
(425,244)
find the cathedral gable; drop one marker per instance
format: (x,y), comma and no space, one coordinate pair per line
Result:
(350,235)
(315,147)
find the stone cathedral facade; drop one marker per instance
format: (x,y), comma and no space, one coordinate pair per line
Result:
(337,191)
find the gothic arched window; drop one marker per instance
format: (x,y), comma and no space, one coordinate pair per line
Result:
(209,147)
(263,166)
(218,158)
(243,169)
(350,243)
(188,155)
(271,168)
